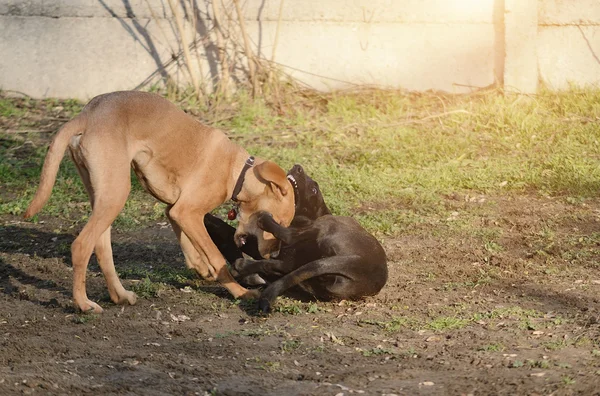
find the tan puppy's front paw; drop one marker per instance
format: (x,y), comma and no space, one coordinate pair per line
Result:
(250,294)
(128,297)
(88,306)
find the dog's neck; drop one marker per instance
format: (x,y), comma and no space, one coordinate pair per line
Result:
(245,192)
(240,180)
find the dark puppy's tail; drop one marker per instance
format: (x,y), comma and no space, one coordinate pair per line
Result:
(54,156)
(335,265)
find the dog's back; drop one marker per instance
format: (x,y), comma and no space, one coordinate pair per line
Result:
(366,267)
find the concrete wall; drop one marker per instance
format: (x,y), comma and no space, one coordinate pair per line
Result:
(568,43)
(81,48)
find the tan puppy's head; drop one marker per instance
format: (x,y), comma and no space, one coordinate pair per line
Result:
(267,189)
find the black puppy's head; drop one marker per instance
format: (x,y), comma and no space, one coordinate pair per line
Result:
(309,200)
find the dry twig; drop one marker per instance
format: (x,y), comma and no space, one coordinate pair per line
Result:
(249,53)
(224,81)
(185,47)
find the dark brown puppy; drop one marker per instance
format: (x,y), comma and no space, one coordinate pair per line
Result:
(330,257)
(309,204)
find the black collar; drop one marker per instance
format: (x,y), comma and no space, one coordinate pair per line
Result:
(240,181)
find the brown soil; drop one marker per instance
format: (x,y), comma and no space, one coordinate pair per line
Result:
(497,296)
(526,289)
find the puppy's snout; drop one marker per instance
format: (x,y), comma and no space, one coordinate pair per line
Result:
(298,169)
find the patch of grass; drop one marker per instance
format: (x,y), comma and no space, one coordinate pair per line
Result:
(568,380)
(290,306)
(319,349)
(385,157)
(517,364)
(148,289)
(498,347)
(84,318)
(271,366)
(508,312)
(543,364)
(483,280)
(445,323)
(555,345)
(493,247)
(161,274)
(8,108)
(391,326)
(377,351)
(290,345)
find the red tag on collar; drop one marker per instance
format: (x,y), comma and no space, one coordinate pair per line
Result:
(232,214)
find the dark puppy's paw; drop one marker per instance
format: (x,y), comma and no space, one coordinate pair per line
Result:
(264,305)
(267,298)
(236,275)
(263,218)
(252,280)
(239,264)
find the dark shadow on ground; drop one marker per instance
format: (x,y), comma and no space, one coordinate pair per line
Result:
(567,303)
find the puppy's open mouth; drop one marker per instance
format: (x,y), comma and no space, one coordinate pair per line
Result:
(292,180)
(242,240)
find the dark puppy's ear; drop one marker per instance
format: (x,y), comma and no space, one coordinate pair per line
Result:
(271,173)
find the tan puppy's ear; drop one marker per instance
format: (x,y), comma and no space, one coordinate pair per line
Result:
(270,172)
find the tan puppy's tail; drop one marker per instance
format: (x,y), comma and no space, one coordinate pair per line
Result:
(54,156)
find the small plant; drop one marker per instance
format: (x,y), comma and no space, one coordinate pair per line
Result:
(543,364)
(492,348)
(289,306)
(410,352)
(271,366)
(568,380)
(555,345)
(84,318)
(290,345)
(377,351)
(493,247)
(446,323)
(517,364)
(148,289)
(391,326)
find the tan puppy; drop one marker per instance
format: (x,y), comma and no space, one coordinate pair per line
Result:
(189,166)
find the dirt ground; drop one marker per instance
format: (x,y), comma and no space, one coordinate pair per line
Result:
(494,295)
(462,313)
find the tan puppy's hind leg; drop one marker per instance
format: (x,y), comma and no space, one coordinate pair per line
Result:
(103,248)
(109,191)
(193,259)
(81,250)
(117,292)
